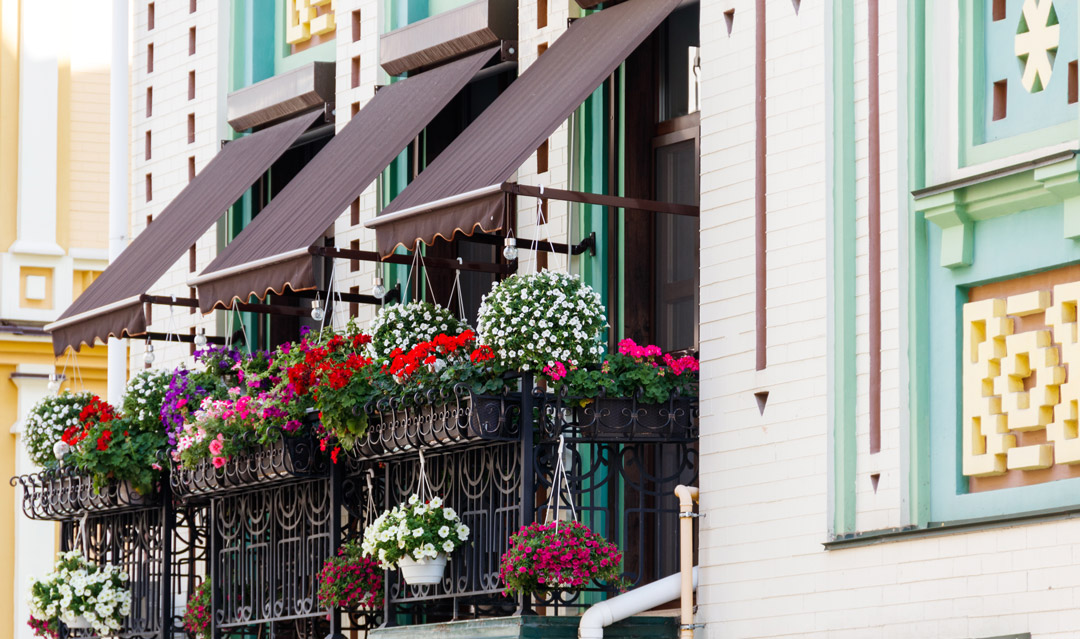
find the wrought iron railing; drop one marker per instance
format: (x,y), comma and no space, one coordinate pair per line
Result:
(60,493)
(262,526)
(434,420)
(284,459)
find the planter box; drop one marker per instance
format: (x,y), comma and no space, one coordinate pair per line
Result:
(288,458)
(401,429)
(623,418)
(62,493)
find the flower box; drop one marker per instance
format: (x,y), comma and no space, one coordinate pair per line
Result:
(624,418)
(281,460)
(62,493)
(436,421)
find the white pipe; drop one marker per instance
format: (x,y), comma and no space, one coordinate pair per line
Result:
(637,601)
(119,114)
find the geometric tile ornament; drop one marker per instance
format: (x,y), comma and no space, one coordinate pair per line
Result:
(1025,54)
(303,20)
(1017,382)
(1036,43)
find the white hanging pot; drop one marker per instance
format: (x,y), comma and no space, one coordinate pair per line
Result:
(425,573)
(78,623)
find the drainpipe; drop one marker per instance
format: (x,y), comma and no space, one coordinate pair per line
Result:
(687,496)
(119,107)
(632,603)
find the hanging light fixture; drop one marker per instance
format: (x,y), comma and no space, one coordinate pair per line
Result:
(378,291)
(317,312)
(200,338)
(510,249)
(149,356)
(54,383)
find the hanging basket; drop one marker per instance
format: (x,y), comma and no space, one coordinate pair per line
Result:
(426,573)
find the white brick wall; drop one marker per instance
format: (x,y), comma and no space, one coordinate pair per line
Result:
(371,74)
(764,477)
(170,147)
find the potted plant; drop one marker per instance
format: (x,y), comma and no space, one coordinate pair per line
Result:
(197,614)
(560,555)
(82,595)
(535,320)
(350,580)
(417,537)
(637,392)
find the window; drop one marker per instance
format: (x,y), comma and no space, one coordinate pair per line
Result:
(150,58)
(191,85)
(356,25)
(150,17)
(661,159)
(191,41)
(149,101)
(191,128)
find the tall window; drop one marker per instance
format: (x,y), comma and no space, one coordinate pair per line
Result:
(661,153)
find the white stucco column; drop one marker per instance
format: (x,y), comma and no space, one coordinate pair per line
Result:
(38,93)
(35,541)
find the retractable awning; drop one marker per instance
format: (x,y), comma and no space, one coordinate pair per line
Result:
(462,190)
(112,306)
(273,251)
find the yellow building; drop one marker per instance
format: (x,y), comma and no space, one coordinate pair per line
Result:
(54,136)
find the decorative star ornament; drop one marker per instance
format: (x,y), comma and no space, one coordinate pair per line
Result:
(1037,42)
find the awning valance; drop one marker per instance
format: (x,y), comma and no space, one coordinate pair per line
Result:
(461,191)
(112,305)
(273,251)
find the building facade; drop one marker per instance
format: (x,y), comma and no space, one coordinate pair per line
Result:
(878,273)
(53,238)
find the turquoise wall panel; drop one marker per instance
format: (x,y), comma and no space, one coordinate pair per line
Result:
(1005,248)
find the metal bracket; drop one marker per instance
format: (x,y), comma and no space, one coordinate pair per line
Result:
(691,626)
(690,515)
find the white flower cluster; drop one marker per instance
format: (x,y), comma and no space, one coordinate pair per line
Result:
(98,594)
(144,394)
(47,421)
(539,319)
(420,530)
(406,325)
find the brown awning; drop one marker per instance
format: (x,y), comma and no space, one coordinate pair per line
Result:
(460,191)
(111,306)
(272,252)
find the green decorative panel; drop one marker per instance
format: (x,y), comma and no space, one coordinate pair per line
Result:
(401,13)
(1027,53)
(1018,67)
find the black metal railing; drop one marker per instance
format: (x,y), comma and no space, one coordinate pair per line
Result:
(61,493)
(433,420)
(284,459)
(262,527)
